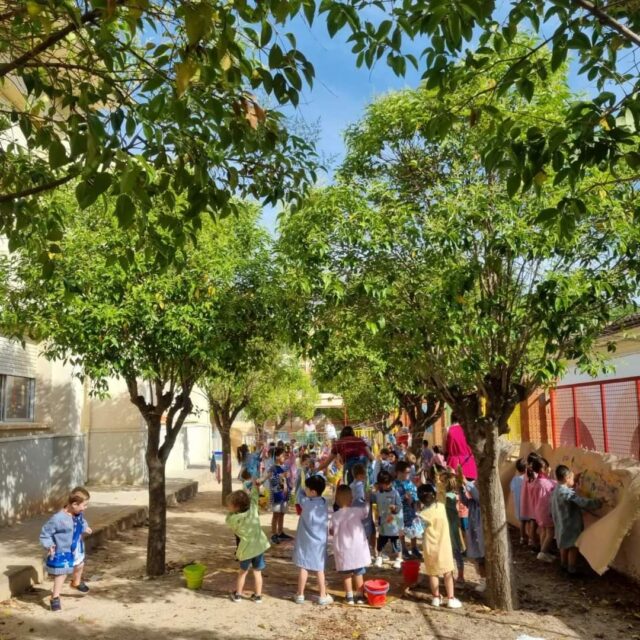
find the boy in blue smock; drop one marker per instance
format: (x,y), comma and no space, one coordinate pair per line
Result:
(61,536)
(390,520)
(566,511)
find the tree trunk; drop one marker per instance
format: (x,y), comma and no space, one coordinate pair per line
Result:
(157,539)
(225,434)
(500,580)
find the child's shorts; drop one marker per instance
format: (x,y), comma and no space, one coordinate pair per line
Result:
(257,563)
(413,530)
(355,572)
(279,507)
(394,540)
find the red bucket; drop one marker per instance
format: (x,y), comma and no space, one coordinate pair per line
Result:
(411,571)
(376,591)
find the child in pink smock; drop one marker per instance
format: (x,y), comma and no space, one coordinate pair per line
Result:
(543,487)
(350,545)
(527,501)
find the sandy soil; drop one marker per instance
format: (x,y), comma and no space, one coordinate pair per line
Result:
(122,604)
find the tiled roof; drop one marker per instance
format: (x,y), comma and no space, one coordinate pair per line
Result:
(628,322)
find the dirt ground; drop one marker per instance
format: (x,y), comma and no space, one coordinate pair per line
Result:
(122,604)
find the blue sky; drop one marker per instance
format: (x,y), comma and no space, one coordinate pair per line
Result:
(341,91)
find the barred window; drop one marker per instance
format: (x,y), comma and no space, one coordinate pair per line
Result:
(17,395)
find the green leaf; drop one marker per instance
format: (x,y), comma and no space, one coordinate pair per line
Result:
(526,88)
(57,154)
(87,192)
(197,20)
(125,210)
(513,184)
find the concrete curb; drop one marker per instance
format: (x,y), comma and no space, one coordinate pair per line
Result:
(18,579)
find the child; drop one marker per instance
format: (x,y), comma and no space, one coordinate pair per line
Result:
(516,491)
(350,547)
(542,489)
(279,494)
(436,545)
(392,462)
(382,464)
(61,536)
(474,536)
(361,499)
(389,506)
(453,518)
(427,457)
(306,469)
(310,550)
(412,525)
(244,521)
(438,458)
(527,507)
(566,509)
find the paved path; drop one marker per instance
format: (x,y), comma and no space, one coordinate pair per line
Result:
(112,509)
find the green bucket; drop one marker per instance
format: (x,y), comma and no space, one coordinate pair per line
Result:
(194,574)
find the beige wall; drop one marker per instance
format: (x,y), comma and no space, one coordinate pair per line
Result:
(612,539)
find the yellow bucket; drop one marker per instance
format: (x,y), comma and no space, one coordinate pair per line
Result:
(194,574)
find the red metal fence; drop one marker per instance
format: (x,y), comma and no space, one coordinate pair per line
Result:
(601,416)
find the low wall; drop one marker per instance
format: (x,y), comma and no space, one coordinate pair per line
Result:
(37,472)
(612,539)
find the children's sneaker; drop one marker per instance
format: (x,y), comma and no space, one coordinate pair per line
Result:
(454,603)
(360,599)
(545,557)
(378,561)
(298,599)
(416,554)
(406,555)
(325,601)
(397,563)
(435,602)
(55,604)
(275,539)
(256,598)
(348,599)
(82,587)
(285,536)
(235,597)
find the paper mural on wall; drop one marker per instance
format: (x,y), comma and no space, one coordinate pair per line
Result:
(616,482)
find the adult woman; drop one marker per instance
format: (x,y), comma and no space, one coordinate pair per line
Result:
(459,452)
(351,449)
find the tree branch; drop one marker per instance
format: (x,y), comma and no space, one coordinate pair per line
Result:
(49,42)
(605,18)
(8,197)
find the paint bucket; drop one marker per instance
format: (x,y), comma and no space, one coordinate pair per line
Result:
(376,592)
(194,574)
(411,571)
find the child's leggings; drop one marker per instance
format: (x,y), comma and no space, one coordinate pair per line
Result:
(457,554)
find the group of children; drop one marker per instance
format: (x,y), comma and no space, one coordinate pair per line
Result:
(406,502)
(549,509)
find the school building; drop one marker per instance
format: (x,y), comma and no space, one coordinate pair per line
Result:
(54,435)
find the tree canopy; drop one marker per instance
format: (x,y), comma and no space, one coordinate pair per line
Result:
(160,329)
(458,43)
(465,280)
(145,100)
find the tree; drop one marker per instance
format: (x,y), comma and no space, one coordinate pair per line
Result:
(154,327)
(284,391)
(464,40)
(491,298)
(147,100)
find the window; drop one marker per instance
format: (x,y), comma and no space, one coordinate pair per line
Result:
(17,397)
